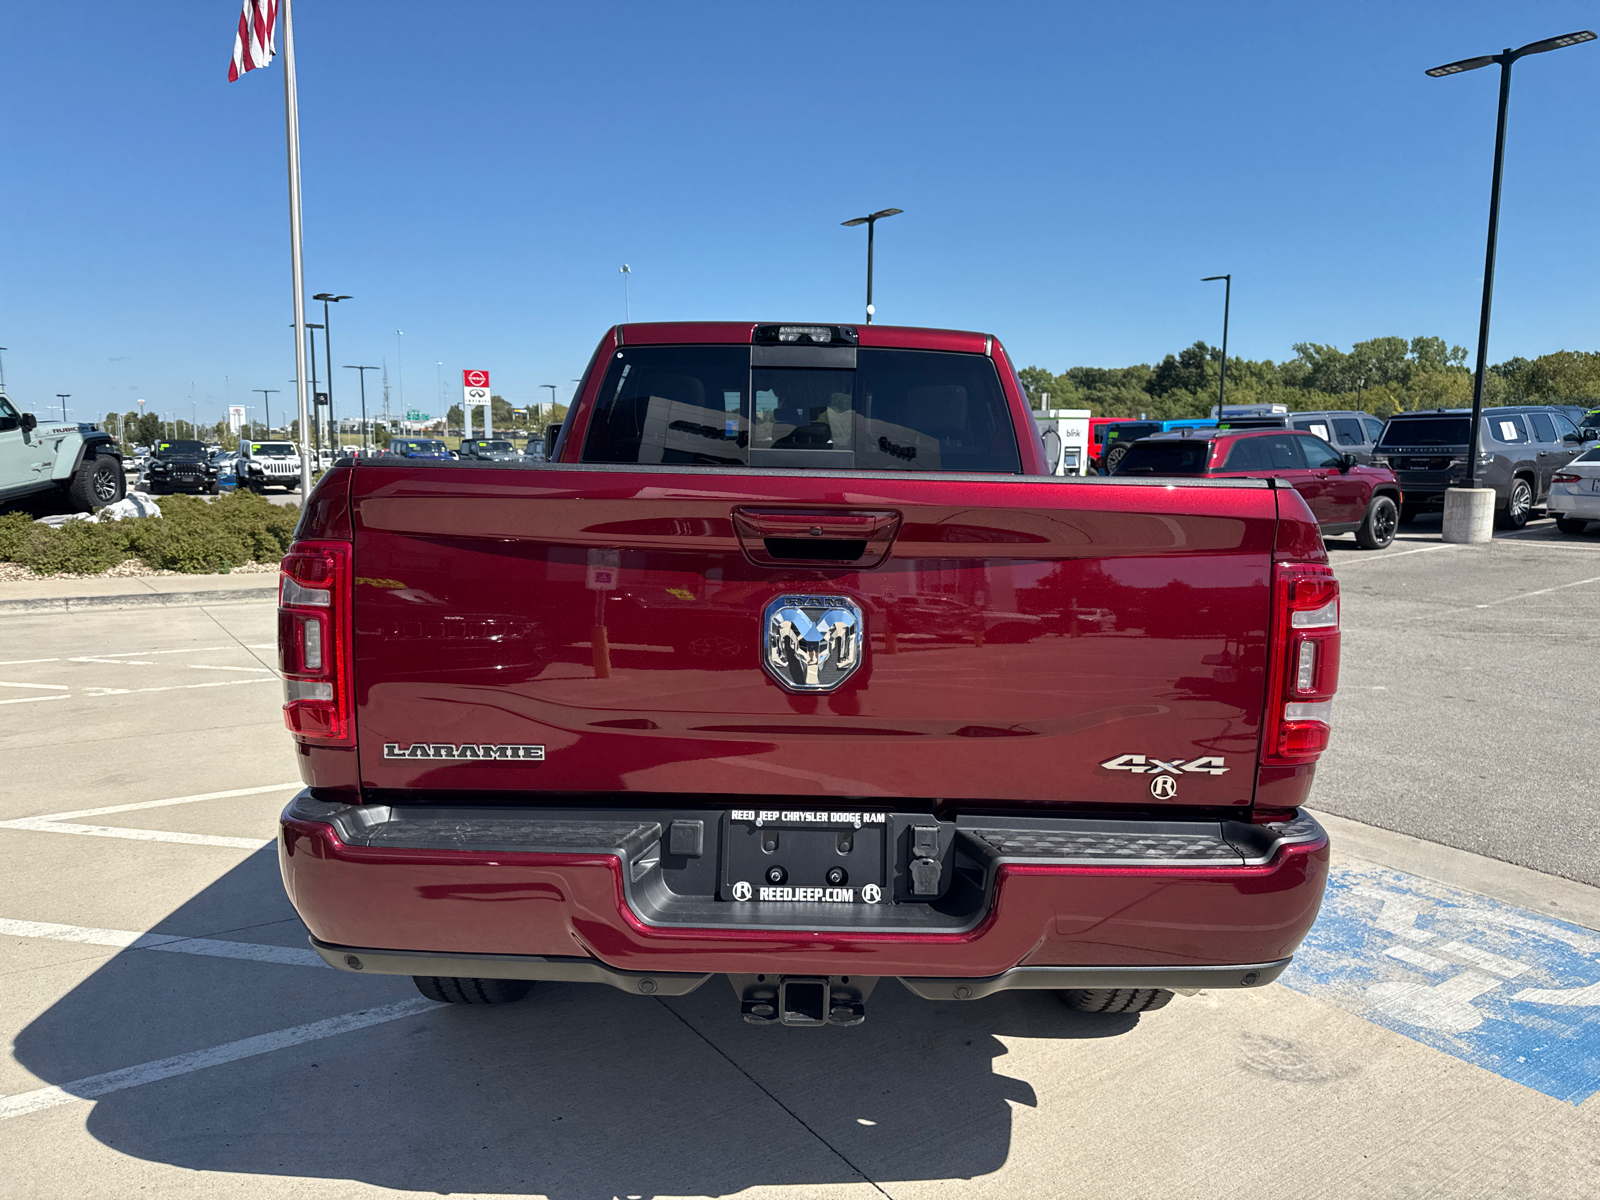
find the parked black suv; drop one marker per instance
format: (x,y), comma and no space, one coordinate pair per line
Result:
(180,466)
(1519,449)
(489,450)
(1347,430)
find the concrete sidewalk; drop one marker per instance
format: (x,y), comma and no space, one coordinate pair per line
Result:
(78,595)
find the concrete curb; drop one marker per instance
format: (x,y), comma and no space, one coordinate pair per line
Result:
(70,604)
(1521,886)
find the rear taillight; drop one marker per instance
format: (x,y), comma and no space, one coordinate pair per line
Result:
(314,642)
(1304,670)
(1565,477)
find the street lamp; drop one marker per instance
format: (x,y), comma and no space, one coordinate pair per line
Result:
(63,397)
(316,421)
(627,312)
(266,404)
(870,221)
(363,371)
(1505,58)
(328,298)
(1227,303)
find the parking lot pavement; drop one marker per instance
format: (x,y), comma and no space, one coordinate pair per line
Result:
(1465,712)
(1438,1036)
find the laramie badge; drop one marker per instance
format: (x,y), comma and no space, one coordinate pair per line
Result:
(812,643)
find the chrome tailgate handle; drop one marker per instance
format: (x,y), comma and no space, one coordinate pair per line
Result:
(786,537)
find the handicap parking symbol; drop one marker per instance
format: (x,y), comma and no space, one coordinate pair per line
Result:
(1511,990)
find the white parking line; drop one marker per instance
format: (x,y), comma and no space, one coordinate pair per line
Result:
(32,699)
(140,653)
(95,693)
(44,687)
(17,662)
(66,822)
(206,667)
(1351,562)
(129,939)
(94,1086)
(35,825)
(78,814)
(1520,596)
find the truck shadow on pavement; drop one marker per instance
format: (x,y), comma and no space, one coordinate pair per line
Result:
(576,1092)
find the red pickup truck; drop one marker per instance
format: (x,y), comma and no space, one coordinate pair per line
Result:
(793,666)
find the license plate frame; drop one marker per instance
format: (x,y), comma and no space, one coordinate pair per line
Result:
(804,845)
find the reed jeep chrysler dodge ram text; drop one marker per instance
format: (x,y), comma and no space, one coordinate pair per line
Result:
(793,666)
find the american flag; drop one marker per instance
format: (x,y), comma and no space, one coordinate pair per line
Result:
(252,47)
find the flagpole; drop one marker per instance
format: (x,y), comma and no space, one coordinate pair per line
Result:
(291,109)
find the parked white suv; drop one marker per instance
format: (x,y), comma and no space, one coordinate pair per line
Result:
(268,464)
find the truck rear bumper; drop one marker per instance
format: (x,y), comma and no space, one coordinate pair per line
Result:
(1047,902)
(681,983)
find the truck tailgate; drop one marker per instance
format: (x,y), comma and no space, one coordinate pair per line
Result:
(1019,634)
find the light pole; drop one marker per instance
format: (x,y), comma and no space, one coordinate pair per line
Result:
(316,419)
(627,312)
(63,397)
(363,371)
(266,404)
(3,349)
(328,298)
(1505,58)
(400,367)
(870,221)
(1227,304)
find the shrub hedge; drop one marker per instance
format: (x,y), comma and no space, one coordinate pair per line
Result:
(191,536)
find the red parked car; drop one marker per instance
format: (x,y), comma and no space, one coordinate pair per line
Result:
(795,667)
(1343,495)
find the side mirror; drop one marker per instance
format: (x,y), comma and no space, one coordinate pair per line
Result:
(29,422)
(1346,461)
(1575,438)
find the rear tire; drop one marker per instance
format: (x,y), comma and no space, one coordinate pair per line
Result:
(1572,524)
(1114,456)
(1115,1000)
(445,989)
(1380,524)
(1519,504)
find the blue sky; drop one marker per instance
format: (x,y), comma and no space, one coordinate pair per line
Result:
(476,173)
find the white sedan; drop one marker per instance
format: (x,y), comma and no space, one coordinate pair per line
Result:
(1575,493)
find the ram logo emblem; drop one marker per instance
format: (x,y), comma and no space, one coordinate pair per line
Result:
(812,643)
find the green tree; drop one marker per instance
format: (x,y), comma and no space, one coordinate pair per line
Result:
(1566,375)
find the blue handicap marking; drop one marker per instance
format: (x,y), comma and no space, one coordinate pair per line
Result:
(1513,991)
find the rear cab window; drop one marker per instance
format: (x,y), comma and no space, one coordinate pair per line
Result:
(1181,456)
(861,408)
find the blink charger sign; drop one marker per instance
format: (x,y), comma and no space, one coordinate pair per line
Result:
(1511,990)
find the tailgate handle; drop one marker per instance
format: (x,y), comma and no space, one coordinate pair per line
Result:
(785,537)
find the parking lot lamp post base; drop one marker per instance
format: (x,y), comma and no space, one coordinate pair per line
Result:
(1468,514)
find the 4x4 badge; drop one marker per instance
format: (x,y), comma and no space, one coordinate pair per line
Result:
(1211,764)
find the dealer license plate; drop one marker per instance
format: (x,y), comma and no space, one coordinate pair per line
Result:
(802,856)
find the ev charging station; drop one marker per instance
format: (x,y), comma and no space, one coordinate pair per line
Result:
(1065,432)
